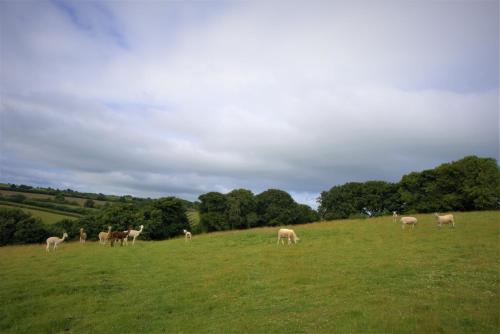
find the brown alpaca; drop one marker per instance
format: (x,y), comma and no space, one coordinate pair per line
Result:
(119,235)
(83,236)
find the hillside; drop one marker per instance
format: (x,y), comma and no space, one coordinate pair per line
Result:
(46,215)
(343,276)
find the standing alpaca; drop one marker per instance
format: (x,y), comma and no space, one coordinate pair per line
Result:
(285,233)
(394,216)
(134,234)
(408,221)
(83,236)
(55,241)
(119,235)
(103,236)
(187,235)
(446,219)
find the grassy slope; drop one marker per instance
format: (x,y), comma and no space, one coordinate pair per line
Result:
(35,196)
(358,276)
(45,216)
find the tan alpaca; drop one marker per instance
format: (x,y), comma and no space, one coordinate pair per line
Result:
(408,221)
(83,236)
(289,234)
(55,241)
(446,219)
(103,236)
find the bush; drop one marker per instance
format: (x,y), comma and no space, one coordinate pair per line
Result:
(18,227)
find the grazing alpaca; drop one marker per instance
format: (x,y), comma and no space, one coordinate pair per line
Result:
(55,241)
(83,236)
(285,233)
(187,235)
(408,221)
(134,234)
(119,235)
(446,219)
(394,216)
(103,236)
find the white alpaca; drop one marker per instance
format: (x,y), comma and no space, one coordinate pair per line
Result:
(394,216)
(187,235)
(103,236)
(134,234)
(446,219)
(408,221)
(289,234)
(55,241)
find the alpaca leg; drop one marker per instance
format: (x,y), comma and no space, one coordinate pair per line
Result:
(133,241)
(47,248)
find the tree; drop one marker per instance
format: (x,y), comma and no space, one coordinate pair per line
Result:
(167,218)
(213,206)
(276,207)
(17,227)
(89,203)
(240,206)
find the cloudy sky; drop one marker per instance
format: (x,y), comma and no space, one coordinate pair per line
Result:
(181,98)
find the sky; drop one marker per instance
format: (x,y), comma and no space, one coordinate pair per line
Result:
(179,98)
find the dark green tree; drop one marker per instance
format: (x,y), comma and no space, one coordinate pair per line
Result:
(276,207)
(213,216)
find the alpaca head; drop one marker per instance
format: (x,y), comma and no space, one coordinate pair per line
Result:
(65,235)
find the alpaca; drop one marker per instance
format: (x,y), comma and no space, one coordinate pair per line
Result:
(285,233)
(55,241)
(83,236)
(446,219)
(187,235)
(394,216)
(134,234)
(408,221)
(103,236)
(119,235)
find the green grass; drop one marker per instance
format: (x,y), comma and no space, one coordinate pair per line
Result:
(358,276)
(48,217)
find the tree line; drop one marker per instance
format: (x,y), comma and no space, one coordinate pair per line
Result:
(241,209)
(471,183)
(162,218)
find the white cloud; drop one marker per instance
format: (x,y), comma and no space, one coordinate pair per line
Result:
(174,98)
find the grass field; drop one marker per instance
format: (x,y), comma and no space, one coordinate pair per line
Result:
(46,216)
(36,196)
(358,276)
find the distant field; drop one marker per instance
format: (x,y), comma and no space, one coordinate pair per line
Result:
(45,216)
(351,276)
(36,196)
(194,218)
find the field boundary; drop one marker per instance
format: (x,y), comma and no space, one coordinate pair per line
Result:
(63,213)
